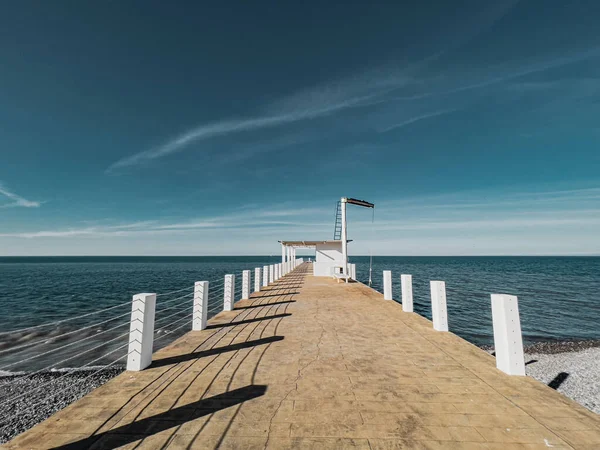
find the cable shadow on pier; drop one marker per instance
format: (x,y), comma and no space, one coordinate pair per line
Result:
(279,295)
(129,433)
(214,351)
(241,322)
(240,308)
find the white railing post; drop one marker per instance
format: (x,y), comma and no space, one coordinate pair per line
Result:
(508,341)
(407,293)
(279,270)
(257,279)
(245,285)
(353,271)
(387,285)
(141,332)
(200,312)
(265,276)
(271,273)
(439,312)
(276,272)
(228,293)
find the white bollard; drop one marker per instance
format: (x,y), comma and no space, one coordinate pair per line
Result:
(265,276)
(141,331)
(245,285)
(228,293)
(257,279)
(271,273)
(508,341)
(407,293)
(200,312)
(438,305)
(387,285)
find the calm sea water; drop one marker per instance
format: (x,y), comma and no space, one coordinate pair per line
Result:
(558,298)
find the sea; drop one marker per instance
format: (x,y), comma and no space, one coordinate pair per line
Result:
(68,312)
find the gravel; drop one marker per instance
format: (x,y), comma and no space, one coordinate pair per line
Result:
(570,367)
(37,405)
(574,374)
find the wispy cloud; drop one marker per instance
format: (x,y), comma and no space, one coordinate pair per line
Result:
(304,109)
(506,74)
(245,221)
(417,119)
(16,200)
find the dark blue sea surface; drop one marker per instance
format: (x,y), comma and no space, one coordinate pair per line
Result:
(558,299)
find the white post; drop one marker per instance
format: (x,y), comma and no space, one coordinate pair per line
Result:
(387,285)
(344,237)
(282,253)
(265,276)
(228,293)
(407,293)
(276,272)
(508,341)
(353,271)
(280,270)
(141,331)
(200,312)
(438,305)
(271,273)
(245,285)
(257,279)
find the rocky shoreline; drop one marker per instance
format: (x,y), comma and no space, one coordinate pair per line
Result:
(35,406)
(573,373)
(570,367)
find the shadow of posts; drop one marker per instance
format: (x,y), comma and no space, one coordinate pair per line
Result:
(132,432)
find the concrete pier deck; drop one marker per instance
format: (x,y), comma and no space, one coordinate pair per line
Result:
(310,363)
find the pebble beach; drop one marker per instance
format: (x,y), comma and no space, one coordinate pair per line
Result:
(573,369)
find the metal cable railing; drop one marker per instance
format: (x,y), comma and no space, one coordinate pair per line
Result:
(46,352)
(174,292)
(175,299)
(60,336)
(58,322)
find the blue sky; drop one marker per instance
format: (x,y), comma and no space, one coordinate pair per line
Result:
(163,128)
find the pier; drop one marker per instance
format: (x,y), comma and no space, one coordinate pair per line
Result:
(308,362)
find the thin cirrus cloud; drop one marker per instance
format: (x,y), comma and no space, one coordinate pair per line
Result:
(16,201)
(303,106)
(417,119)
(371,89)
